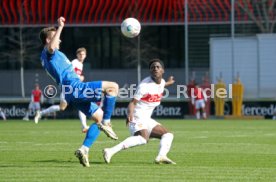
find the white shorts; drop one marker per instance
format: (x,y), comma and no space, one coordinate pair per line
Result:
(199,104)
(34,106)
(141,124)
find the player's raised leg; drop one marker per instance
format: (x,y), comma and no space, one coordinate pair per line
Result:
(110,90)
(87,103)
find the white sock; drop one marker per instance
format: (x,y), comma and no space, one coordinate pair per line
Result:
(129,142)
(82,117)
(85,149)
(165,144)
(204,115)
(106,121)
(51,109)
(197,114)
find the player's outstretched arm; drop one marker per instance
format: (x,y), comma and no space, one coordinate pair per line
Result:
(54,43)
(170,81)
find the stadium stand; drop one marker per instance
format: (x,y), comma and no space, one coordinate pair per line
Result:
(111,12)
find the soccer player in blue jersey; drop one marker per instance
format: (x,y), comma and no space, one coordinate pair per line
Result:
(82,95)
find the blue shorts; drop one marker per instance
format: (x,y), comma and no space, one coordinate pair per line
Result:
(85,96)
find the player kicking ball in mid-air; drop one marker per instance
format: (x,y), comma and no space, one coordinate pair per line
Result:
(78,67)
(141,126)
(82,95)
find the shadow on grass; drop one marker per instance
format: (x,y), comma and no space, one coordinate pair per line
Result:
(73,161)
(55,161)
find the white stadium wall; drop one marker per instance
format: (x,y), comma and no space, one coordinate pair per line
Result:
(253,60)
(267,66)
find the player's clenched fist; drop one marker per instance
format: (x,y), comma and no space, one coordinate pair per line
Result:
(61,21)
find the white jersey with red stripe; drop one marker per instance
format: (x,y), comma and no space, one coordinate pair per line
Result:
(149,95)
(78,66)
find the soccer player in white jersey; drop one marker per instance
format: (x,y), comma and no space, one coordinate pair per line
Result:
(141,125)
(78,68)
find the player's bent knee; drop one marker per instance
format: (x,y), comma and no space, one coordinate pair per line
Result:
(98,115)
(111,88)
(115,89)
(62,105)
(168,135)
(114,85)
(62,108)
(142,140)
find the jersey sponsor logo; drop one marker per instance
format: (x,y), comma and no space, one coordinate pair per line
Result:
(152,98)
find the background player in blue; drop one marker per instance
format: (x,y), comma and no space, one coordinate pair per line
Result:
(82,95)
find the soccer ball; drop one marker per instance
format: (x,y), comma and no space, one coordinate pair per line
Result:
(130,27)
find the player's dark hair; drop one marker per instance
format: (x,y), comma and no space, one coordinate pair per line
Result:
(156,60)
(44,34)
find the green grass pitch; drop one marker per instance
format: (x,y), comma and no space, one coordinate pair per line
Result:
(212,150)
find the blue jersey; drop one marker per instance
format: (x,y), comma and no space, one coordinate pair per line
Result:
(58,66)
